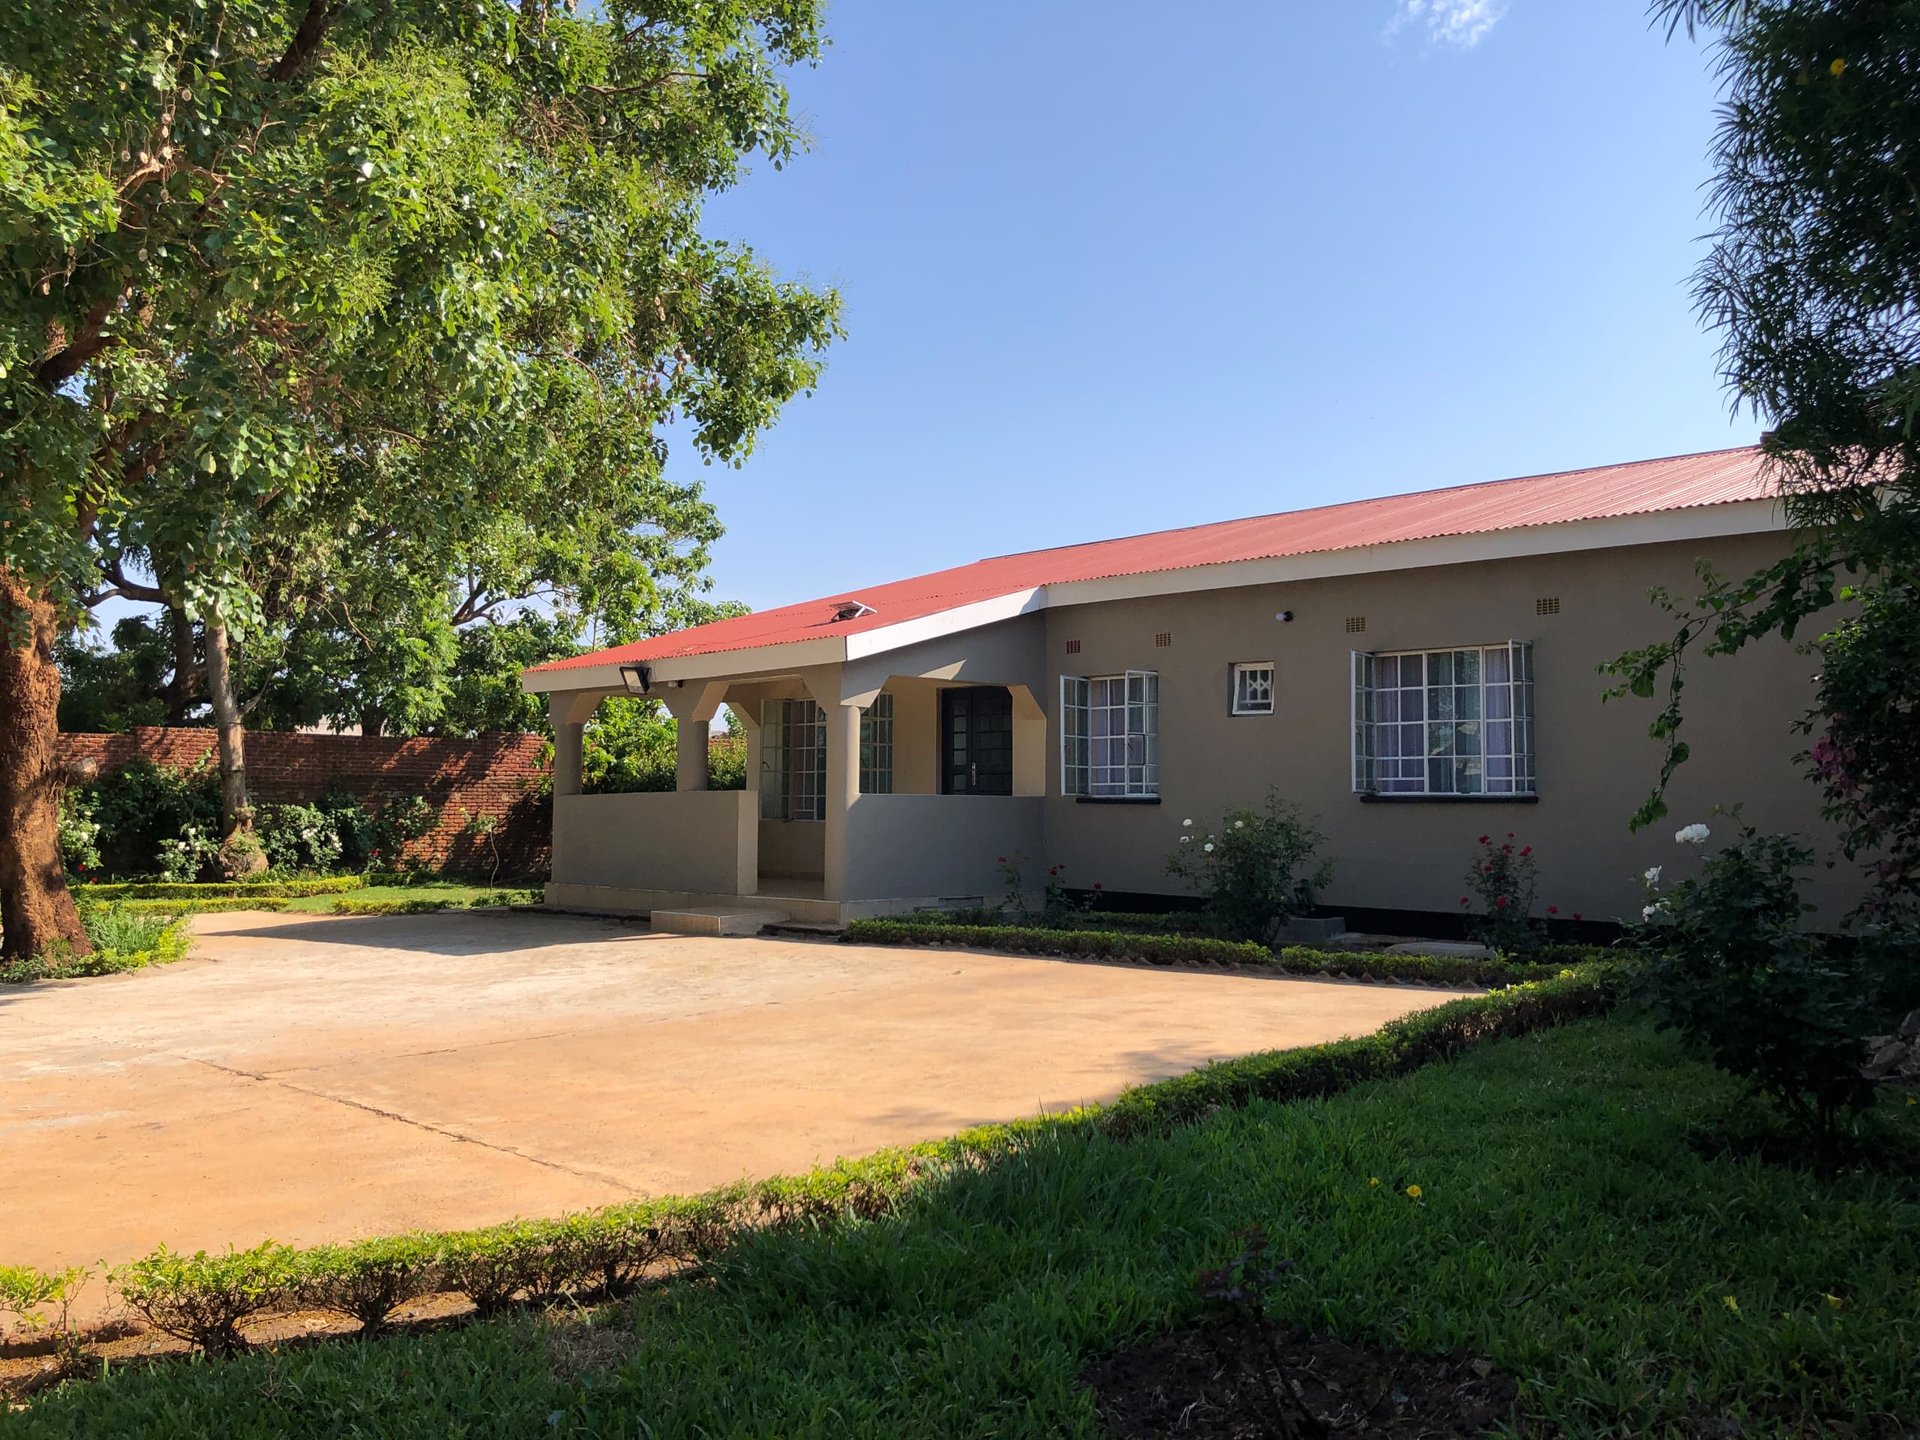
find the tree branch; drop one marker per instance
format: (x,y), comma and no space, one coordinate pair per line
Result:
(306,41)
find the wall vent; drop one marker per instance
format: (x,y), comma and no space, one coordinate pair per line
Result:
(1356,624)
(1073,647)
(1547,605)
(1163,639)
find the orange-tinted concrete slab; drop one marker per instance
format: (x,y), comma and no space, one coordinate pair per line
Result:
(319,1078)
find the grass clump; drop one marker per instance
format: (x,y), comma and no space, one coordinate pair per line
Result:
(123,939)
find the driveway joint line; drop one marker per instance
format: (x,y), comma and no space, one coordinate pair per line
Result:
(422,1125)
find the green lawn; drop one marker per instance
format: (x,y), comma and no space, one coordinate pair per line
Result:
(438,891)
(1565,1229)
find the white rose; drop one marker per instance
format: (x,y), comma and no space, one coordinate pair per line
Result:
(1187,823)
(1647,912)
(366,169)
(1208,847)
(1695,834)
(1186,839)
(1239,824)
(1653,875)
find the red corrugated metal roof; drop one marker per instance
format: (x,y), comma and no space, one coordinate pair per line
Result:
(1643,487)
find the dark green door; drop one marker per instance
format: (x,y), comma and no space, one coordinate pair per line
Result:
(976,740)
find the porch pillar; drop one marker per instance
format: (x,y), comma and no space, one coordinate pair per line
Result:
(569,711)
(843,788)
(692,706)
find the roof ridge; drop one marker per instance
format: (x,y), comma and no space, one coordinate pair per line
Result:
(1364,500)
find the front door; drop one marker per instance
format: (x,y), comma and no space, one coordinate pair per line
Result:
(976,740)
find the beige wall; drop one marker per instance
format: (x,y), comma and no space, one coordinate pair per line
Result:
(1595,762)
(939,845)
(694,840)
(792,847)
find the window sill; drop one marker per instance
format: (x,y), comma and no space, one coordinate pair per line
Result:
(1370,798)
(1116,799)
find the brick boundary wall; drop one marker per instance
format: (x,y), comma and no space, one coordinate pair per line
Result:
(496,774)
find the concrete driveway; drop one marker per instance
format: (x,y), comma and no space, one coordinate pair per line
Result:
(320,1078)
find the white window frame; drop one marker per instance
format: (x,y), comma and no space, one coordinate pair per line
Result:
(793,760)
(1500,763)
(1238,701)
(876,746)
(1110,735)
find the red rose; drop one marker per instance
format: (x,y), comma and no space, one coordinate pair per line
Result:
(1526,851)
(1098,886)
(1485,838)
(1576,914)
(999,859)
(1500,903)
(1553,909)
(1465,901)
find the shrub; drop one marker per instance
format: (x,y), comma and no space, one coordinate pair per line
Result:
(1503,879)
(178,908)
(352,826)
(79,831)
(1733,971)
(422,906)
(144,808)
(490,1266)
(298,837)
(122,940)
(401,820)
(1256,870)
(203,1299)
(26,1292)
(365,1282)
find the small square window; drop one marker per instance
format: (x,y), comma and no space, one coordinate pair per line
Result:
(1253,688)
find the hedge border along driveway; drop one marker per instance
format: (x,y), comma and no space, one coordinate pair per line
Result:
(205,1298)
(1201,950)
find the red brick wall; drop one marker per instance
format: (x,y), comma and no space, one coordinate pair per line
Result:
(497,774)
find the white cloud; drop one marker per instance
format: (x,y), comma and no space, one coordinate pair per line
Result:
(1448,22)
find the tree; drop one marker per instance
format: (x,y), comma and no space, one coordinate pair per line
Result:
(440,261)
(1814,283)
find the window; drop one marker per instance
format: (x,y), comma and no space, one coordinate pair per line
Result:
(793,760)
(1252,688)
(876,746)
(1444,722)
(1110,735)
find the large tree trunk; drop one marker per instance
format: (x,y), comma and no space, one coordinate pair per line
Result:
(239,853)
(179,691)
(36,909)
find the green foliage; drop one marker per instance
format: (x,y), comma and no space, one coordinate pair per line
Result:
(204,1299)
(220,889)
(632,745)
(1202,950)
(401,820)
(425,898)
(361,331)
(26,1292)
(178,908)
(1502,876)
(298,837)
(1733,971)
(154,818)
(79,832)
(113,689)
(1255,871)
(365,1282)
(1812,285)
(123,939)
(1866,757)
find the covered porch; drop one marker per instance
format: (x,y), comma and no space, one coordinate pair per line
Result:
(874,785)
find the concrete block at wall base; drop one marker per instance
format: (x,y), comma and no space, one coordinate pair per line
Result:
(1301,930)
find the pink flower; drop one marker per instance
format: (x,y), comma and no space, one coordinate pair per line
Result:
(999,859)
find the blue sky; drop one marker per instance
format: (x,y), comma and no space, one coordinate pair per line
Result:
(1111,267)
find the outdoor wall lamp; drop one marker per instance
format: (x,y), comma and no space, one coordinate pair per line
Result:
(637,678)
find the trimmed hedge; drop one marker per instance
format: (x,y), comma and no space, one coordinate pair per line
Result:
(212,906)
(204,1299)
(1204,950)
(388,907)
(220,889)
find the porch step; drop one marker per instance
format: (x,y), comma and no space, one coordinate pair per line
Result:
(715,920)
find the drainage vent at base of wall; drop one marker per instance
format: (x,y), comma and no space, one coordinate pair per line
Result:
(1163,639)
(1547,605)
(1356,624)
(1073,647)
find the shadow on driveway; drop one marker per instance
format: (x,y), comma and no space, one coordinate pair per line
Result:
(433,933)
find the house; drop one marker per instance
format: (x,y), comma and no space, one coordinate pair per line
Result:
(1414,671)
